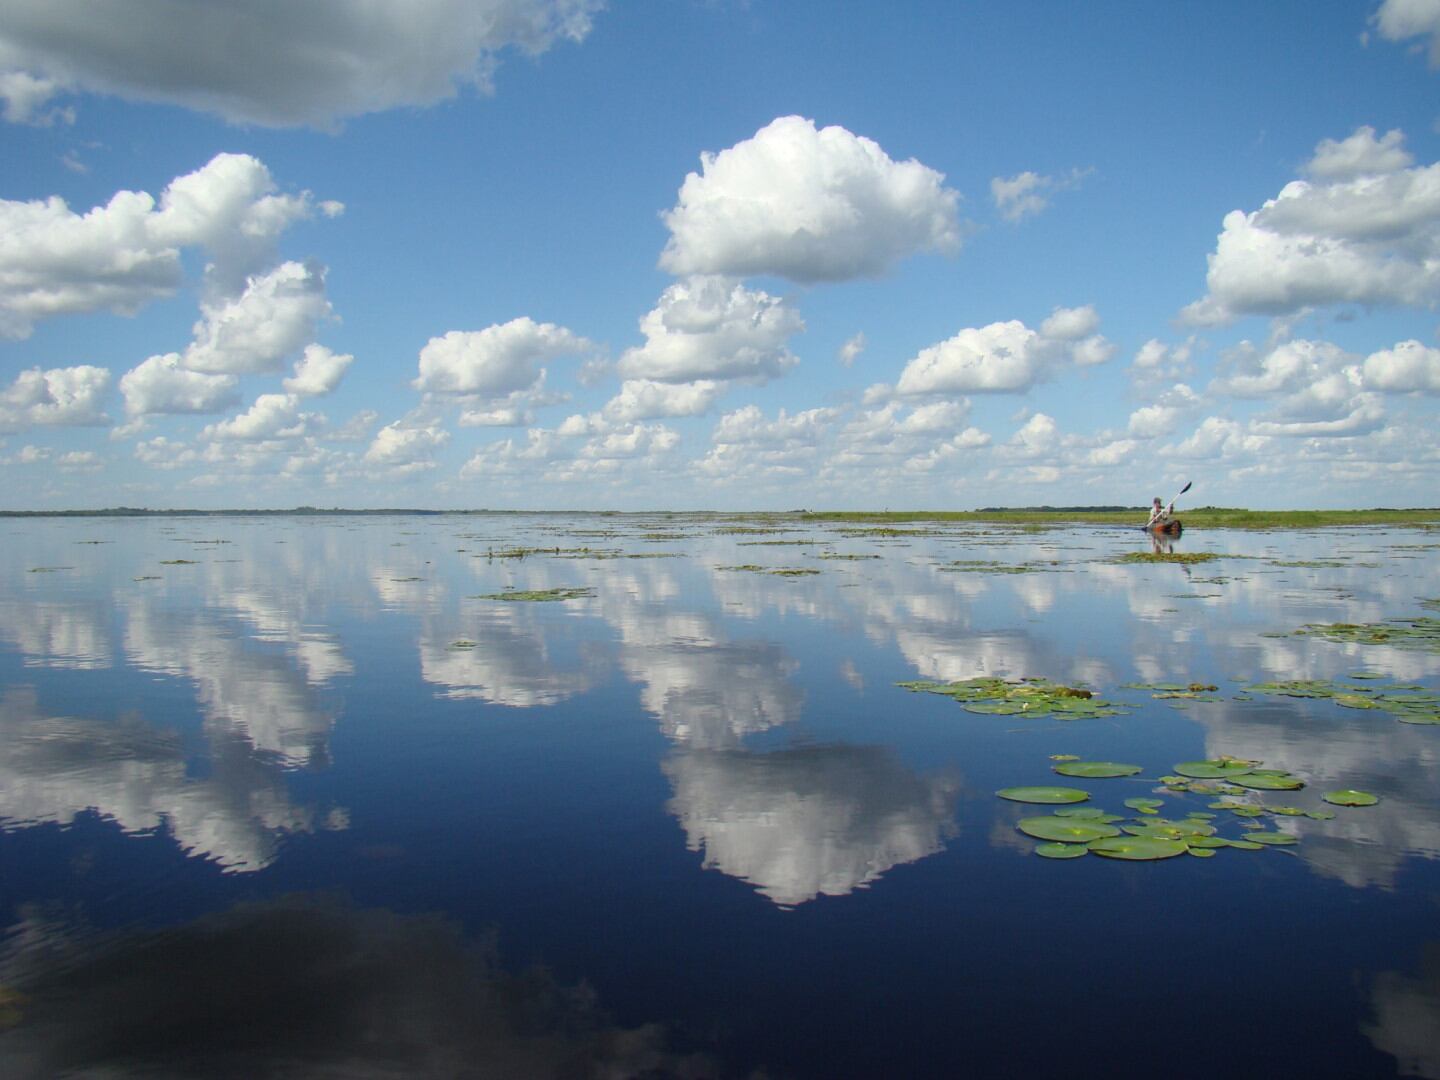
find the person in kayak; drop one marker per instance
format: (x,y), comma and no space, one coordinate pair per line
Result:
(1159,513)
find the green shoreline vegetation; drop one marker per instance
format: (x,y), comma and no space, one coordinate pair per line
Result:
(1204,517)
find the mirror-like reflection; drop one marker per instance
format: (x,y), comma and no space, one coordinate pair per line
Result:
(808,821)
(304,986)
(561,724)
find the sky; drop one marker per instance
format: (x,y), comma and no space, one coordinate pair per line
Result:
(683,255)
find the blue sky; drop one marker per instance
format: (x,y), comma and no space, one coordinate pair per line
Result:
(684,255)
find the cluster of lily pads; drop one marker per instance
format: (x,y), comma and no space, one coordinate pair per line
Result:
(1032,697)
(513,595)
(1408,703)
(1073,831)
(1422,632)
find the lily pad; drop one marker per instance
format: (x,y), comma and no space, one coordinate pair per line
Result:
(1145,806)
(1043,794)
(1069,830)
(1350,797)
(1270,782)
(1220,768)
(1096,769)
(1273,839)
(1061,851)
(1138,848)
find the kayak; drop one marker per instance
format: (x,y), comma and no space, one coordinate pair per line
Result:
(1166,528)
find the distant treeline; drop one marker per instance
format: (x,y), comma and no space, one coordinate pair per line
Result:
(132,511)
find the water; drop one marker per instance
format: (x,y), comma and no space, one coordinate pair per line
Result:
(284,796)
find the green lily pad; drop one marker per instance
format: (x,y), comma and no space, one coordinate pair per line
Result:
(1244,845)
(1043,794)
(1061,851)
(1350,797)
(1270,782)
(1320,815)
(1273,839)
(1219,769)
(1356,701)
(1200,852)
(1207,841)
(1145,806)
(1171,830)
(996,708)
(1069,830)
(1138,848)
(1096,769)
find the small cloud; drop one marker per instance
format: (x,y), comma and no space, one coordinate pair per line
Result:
(1028,193)
(852,349)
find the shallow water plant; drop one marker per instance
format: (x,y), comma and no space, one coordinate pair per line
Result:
(570,593)
(1013,697)
(1095,769)
(1043,794)
(1350,797)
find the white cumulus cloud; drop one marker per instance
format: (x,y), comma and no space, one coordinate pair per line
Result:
(162,384)
(713,328)
(125,254)
(318,371)
(1028,193)
(1361,154)
(1006,357)
(496,361)
(1406,367)
(277,63)
(1367,239)
(406,448)
(1400,20)
(272,319)
(59,397)
(807,204)
(272,417)
(646,399)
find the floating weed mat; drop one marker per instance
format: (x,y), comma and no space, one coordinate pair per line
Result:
(1072,831)
(1186,557)
(1406,702)
(1422,632)
(777,571)
(1022,697)
(572,593)
(988,566)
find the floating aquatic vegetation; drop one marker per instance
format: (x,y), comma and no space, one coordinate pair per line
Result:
(1015,697)
(1065,830)
(1421,632)
(1095,769)
(177,562)
(147,577)
(1138,848)
(1408,703)
(987,566)
(1268,780)
(463,644)
(1185,557)
(777,571)
(845,555)
(1043,794)
(1148,836)
(570,593)
(1215,769)
(48,569)
(1061,850)
(1350,797)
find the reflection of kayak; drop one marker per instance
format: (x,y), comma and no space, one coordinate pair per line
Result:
(1166,528)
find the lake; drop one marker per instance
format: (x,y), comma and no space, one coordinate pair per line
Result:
(620,795)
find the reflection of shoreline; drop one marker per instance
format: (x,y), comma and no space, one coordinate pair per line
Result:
(808,821)
(305,987)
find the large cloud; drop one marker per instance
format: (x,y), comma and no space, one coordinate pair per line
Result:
(1005,356)
(1370,237)
(162,385)
(120,256)
(274,62)
(62,397)
(496,361)
(713,328)
(273,318)
(809,205)
(1408,366)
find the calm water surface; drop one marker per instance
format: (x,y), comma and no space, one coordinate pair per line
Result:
(289,796)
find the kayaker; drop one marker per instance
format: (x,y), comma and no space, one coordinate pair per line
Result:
(1159,513)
